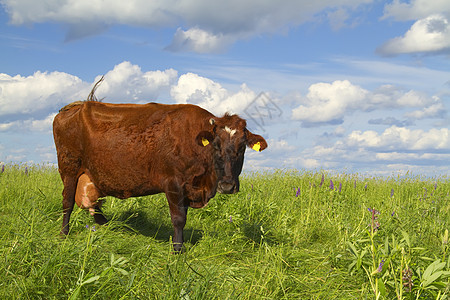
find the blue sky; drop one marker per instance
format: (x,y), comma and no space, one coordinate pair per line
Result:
(359,86)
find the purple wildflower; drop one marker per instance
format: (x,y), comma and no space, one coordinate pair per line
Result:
(26,171)
(92,228)
(340,186)
(230,220)
(380,266)
(392,192)
(3,169)
(331,185)
(321,181)
(393,213)
(365,187)
(435,186)
(297,193)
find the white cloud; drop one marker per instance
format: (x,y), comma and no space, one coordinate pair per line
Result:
(330,102)
(44,91)
(6,126)
(194,89)
(401,156)
(280,147)
(434,111)
(40,91)
(211,24)
(393,150)
(414,99)
(44,125)
(415,9)
(199,41)
(399,138)
(431,34)
(127,83)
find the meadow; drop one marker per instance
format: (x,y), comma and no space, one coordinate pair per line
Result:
(285,235)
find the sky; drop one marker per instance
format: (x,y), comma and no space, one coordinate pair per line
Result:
(346,86)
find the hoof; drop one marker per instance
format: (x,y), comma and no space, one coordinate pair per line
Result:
(178,248)
(64,232)
(100,219)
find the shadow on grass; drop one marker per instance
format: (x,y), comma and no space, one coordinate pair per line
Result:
(258,232)
(140,222)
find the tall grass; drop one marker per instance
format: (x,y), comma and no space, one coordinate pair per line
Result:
(285,235)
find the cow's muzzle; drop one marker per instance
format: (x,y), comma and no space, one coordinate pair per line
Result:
(227,187)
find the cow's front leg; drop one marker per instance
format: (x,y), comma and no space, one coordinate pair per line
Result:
(178,214)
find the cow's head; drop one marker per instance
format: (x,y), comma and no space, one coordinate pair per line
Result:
(228,140)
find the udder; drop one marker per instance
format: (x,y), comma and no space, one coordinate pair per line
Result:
(86,195)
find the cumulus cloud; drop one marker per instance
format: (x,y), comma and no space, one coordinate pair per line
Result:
(280,146)
(398,138)
(431,34)
(195,89)
(210,24)
(37,92)
(434,111)
(44,91)
(329,103)
(392,150)
(128,83)
(37,125)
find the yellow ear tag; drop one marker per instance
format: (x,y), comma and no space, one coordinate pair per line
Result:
(257,146)
(205,142)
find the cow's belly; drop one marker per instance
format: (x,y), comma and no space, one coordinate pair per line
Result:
(123,175)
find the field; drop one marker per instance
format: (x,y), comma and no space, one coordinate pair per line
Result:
(285,235)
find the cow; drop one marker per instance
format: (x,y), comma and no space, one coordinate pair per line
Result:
(130,150)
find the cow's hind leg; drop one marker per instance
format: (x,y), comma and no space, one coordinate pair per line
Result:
(87,196)
(70,184)
(99,217)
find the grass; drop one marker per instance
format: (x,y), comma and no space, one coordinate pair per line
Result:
(285,235)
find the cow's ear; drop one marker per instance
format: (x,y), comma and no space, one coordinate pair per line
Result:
(256,142)
(204,138)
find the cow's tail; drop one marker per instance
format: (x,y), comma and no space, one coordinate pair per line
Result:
(91,97)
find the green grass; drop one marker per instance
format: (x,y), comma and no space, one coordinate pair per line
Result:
(262,243)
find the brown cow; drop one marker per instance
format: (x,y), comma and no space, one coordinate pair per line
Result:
(129,150)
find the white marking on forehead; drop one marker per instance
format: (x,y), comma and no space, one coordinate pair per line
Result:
(230,131)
